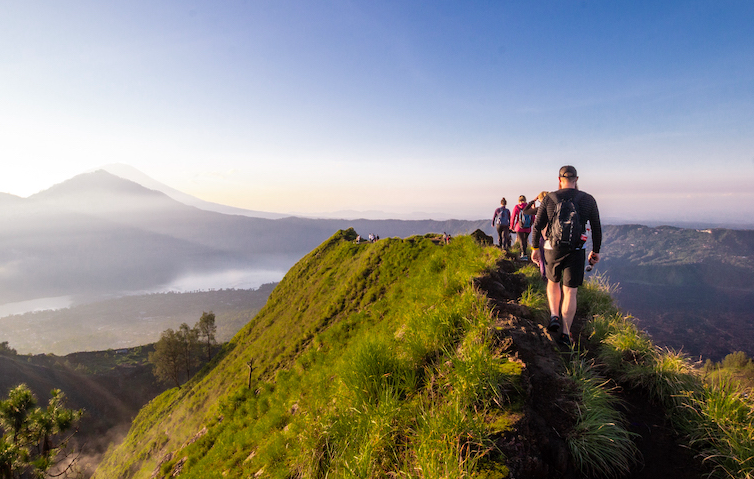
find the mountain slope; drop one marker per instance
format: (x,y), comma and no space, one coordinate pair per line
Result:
(690,289)
(132,174)
(392,329)
(98,233)
(110,387)
(419,359)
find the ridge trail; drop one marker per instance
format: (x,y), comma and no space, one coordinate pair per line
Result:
(536,447)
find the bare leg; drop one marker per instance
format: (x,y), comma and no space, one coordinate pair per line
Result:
(569,307)
(553,297)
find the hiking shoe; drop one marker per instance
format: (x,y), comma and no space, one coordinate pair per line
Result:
(565,340)
(524,257)
(554,325)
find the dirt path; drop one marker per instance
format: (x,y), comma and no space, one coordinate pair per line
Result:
(537,448)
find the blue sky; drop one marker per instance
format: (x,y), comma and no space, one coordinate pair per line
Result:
(432,107)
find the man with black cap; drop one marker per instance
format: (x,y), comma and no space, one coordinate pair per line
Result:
(564,258)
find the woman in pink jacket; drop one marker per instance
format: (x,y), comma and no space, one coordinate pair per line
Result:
(521,224)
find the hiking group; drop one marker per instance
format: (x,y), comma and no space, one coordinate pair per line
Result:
(558,229)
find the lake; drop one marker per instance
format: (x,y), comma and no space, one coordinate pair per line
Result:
(227,279)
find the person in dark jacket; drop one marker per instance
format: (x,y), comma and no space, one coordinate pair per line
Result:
(500,220)
(565,267)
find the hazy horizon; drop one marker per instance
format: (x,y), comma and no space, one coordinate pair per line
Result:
(394,107)
(132,174)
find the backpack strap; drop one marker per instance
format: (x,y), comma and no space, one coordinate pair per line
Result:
(554,198)
(576,202)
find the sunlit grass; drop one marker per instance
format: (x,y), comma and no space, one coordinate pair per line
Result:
(595,296)
(725,430)
(395,378)
(600,444)
(602,326)
(536,301)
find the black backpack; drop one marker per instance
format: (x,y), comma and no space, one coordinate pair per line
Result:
(565,227)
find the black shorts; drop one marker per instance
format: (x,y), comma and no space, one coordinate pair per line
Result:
(567,267)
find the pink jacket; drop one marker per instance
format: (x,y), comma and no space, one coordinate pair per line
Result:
(514,219)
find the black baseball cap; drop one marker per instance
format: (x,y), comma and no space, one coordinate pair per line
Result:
(568,171)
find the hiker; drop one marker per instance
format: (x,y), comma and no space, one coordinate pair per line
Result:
(564,213)
(501,222)
(521,224)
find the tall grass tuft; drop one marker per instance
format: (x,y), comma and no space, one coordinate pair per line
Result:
(625,348)
(600,444)
(375,374)
(450,442)
(595,296)
(725,432)
(431,332)
(601,326)
(630,356)
(536,300)
(673,379)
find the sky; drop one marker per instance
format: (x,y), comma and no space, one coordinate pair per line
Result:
(411,108)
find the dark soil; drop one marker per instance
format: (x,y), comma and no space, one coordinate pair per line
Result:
(537,448)
(658,444)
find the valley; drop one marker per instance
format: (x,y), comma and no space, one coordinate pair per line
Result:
(129,321)
(692,290)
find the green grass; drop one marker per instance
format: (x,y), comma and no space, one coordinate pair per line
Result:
(724,431)
(600,444)
(375,360)
(715,418)
(536,301)
(370,360)
(595,297)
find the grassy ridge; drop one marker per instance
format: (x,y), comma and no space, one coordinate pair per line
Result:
(368,359)
(374,360)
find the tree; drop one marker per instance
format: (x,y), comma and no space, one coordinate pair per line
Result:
(31,441)
(6,349)
(189,343)
(206,327)
(175,352)
(167,357)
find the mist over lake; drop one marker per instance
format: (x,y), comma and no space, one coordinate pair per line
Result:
(244,278)
(32,305)
(229,279)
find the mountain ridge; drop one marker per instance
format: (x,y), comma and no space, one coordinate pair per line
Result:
(116,237)
(398,357)
(130,173)
(93,225)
